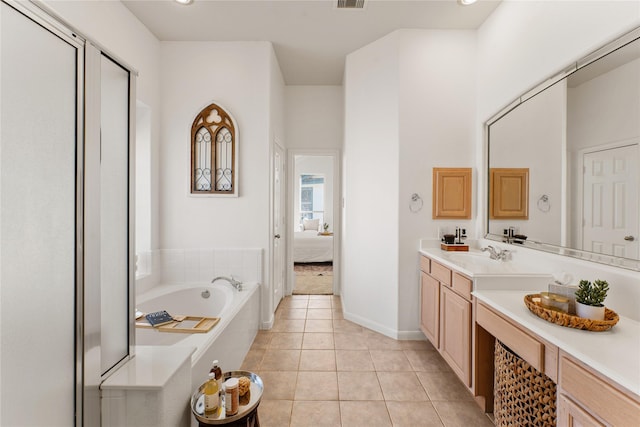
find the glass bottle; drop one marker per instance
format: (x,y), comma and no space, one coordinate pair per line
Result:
(211,395)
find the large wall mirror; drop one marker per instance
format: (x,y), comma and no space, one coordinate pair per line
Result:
(578,136)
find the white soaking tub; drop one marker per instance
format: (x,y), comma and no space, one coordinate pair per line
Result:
(228,341)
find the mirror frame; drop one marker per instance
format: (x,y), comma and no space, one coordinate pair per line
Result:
(627,263)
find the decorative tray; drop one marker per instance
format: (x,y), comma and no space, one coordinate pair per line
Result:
(569,320)
(246,406)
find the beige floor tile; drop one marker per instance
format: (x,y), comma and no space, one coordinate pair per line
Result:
(253,360)
(350,341)
(359,386)
(286,340)
(427,361)
(461,414)
(298,297)
(364,414)
(296,303)
(316,386)
(390,360)
(319,303)
(317,360)
(336,301)
(288,325)
(417,345)
(444,386)
(401,386)
(354,360)
(321,297)
(315,414)
(346,326)
(319,313)
(377,341)
(262,339)
(293,313)
(337,314)
(412,414)
(275,413)
(280,360)
(278,385)
(318,341)
(319,326)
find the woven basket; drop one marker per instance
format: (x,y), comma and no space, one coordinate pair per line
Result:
(523,396)
(569,320)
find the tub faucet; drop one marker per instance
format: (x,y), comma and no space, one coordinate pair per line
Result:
(235,283)
(498,254)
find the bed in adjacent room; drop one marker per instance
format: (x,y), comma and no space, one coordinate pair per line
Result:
(309,246)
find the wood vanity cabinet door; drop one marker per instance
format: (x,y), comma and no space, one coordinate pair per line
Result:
(455,333)
(572,415)
(430,308)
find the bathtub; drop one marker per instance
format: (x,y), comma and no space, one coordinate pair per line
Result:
(228,341)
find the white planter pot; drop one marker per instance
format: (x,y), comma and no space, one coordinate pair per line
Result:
(589,311)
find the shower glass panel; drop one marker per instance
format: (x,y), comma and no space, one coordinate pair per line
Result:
(38,143)
(114,213)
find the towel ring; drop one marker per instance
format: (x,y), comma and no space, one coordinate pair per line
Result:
(543,203)
(416,203)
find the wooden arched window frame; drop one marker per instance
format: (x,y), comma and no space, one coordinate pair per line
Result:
(213,152)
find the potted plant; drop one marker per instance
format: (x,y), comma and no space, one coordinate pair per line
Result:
(590,298)
(325,226)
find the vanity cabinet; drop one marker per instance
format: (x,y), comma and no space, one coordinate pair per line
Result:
(586,398)
(446,313)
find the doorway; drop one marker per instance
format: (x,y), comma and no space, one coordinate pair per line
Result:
(314,222)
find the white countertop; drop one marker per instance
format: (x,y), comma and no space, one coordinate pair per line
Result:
(476,263)
(150,369)
(614,353)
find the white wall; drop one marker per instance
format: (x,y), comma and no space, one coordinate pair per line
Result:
(436,111)
(239,77)
(371,186)
(314,117)
(523,43)
(314,165)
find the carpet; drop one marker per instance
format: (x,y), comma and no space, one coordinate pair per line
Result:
(313,279)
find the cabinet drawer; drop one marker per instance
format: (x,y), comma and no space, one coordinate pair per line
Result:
(440,272)
(461,285)
(592,392)
(425,264)
(517,340)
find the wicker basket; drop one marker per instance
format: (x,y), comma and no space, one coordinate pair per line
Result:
(523,396)
(569,320)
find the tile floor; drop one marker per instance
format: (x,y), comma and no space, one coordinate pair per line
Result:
(321,370)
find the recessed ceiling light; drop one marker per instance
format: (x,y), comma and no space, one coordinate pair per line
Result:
(466,2)
(184,1)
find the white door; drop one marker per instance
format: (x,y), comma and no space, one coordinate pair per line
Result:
(610,203)
(278,225)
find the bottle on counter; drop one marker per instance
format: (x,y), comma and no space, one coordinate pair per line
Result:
(211,395)
(231,397)
(218,372)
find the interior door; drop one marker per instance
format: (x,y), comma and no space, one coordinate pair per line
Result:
(610,222)
(278,216)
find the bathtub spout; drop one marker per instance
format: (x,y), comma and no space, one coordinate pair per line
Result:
(235,283)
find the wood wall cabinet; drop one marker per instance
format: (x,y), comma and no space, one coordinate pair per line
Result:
(509,193)
(445,315)
(451,193)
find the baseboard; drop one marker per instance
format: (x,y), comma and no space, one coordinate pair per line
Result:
(411,336)
(265,326)
(374,326)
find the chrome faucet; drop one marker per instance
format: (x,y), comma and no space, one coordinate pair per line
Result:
(235,283)
(498,254)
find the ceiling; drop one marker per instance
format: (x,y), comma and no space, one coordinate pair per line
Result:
(310,37)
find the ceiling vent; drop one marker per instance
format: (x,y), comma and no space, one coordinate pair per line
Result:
(350,4)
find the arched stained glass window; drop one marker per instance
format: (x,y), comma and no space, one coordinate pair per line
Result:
(213,152)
